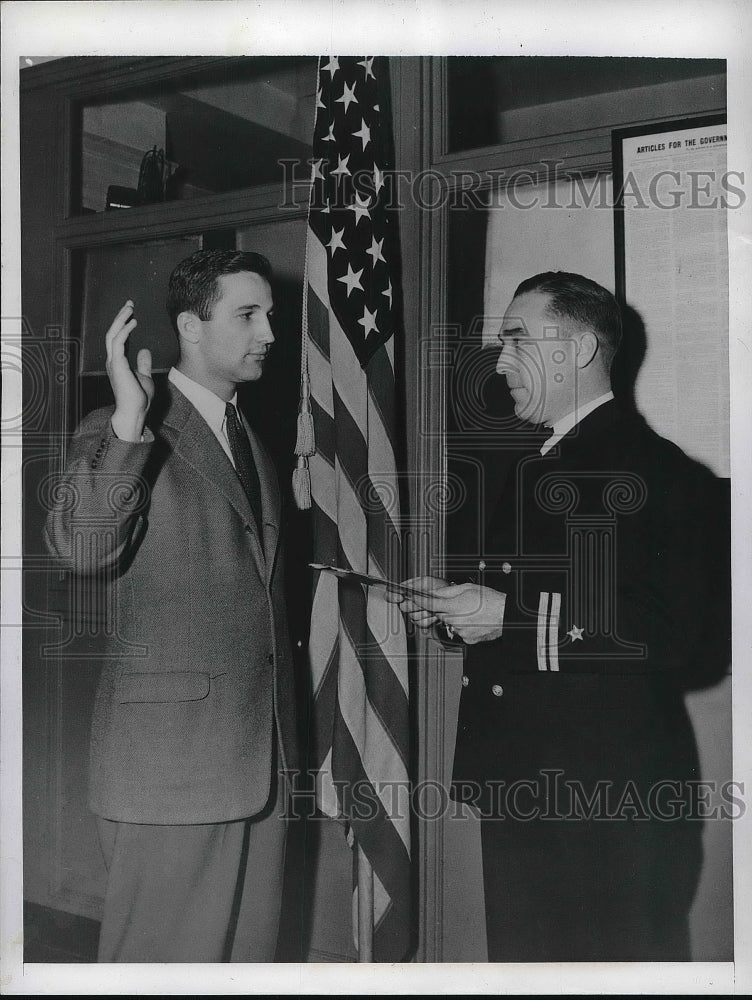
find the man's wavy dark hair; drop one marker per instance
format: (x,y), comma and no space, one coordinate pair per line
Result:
(194,284)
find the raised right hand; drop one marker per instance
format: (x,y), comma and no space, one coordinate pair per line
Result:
(133,391)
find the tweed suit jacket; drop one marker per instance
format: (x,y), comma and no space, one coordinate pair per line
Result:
(197,672)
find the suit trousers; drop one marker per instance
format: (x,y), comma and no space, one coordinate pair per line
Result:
(194,893)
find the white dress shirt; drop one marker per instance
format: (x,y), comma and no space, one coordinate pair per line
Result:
(208,404)
(563,426)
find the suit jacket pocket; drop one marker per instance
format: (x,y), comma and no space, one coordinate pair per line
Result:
(164,686)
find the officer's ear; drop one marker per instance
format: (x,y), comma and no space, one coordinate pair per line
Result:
(587,348)
(189,327)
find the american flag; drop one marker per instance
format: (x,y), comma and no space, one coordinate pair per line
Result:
(357,645)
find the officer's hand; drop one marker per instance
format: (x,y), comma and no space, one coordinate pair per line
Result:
(413,606)
(133,391)
(475,614)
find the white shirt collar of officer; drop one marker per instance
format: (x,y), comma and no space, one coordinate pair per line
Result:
(566,423)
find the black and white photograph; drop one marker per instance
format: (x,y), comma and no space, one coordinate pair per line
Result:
(376,549)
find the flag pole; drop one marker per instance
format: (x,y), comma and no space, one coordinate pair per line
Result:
(365,907)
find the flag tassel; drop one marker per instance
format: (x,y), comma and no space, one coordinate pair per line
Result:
(305,445)
(301,483)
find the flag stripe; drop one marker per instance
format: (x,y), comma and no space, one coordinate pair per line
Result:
(352,451)
(351,522)
(381,390)
(383,689)
(326,442)
(384,625)
(384,848)
(318,324)
(349,381)
(324,640)
(324,501)
(326,793)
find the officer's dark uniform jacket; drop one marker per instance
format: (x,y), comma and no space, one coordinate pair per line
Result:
(610,551)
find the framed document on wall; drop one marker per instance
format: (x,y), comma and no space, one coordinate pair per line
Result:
(672,194)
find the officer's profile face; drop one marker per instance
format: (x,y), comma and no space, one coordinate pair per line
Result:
(538,360)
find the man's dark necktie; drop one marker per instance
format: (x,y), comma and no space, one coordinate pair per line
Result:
(245,466)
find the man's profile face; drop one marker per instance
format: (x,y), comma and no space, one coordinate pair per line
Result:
(236,339)
(538,360)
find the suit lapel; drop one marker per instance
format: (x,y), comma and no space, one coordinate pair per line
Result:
(194,441)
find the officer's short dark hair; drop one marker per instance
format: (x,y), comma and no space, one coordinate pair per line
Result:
(194,284)
(580,300)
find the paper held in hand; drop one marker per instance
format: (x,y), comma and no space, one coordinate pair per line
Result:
(371,581)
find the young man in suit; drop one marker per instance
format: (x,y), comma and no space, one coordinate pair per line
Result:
(599,596)
(172,504)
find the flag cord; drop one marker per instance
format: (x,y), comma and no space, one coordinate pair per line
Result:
(305,445)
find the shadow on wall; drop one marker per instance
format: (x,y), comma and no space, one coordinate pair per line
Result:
(712,650)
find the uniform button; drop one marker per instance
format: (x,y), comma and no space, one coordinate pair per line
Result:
(270,659)
(506,567)
(465,680)
(94,464)
(497,690)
